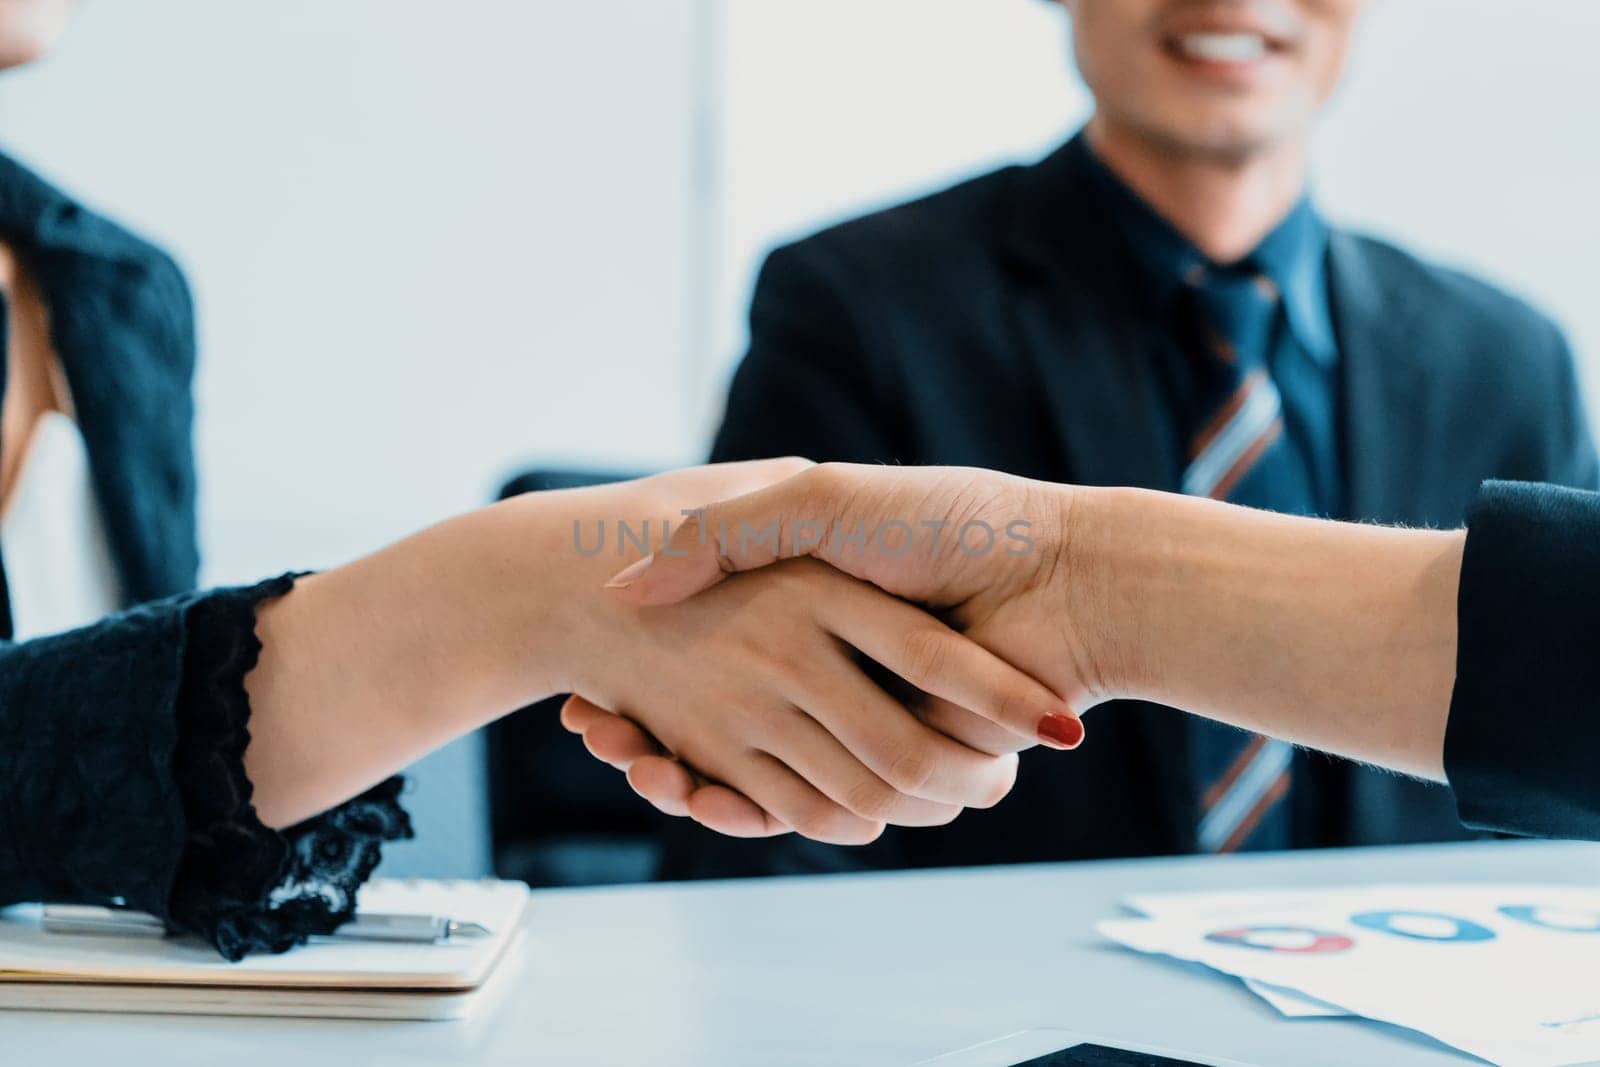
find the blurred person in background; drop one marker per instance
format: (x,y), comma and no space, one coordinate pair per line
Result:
(223,759)
(1157,304)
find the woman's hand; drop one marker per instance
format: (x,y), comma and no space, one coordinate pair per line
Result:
(367,667)
(754,683)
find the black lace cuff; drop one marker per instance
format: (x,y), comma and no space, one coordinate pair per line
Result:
(241,886)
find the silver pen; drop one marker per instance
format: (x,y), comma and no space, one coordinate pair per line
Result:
(366,926)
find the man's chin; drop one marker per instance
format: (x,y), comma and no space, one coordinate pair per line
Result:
(1226,137)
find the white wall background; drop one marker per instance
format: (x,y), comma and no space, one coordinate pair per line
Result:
(427,240)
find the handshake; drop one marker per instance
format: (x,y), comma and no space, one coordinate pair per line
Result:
(844,648)
(731,671)
(830,649)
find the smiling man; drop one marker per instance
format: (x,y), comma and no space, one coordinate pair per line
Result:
(1158,304)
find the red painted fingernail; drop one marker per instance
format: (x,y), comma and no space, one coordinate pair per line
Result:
(1061,731)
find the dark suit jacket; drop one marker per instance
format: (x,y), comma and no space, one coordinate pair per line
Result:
(998,324)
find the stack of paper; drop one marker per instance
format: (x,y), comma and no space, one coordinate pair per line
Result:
(1508,973)
(328,977)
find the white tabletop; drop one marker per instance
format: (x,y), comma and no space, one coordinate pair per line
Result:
(862,969)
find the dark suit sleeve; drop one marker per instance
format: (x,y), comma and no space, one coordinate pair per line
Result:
(813,382)
(1523,742)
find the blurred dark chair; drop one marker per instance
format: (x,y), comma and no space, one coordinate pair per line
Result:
(559,816)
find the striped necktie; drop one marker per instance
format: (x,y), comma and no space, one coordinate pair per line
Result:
(1239,454)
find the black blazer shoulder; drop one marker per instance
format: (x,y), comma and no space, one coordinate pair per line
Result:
(1474,368)
(873,309)
(1506,337)
(122,319)
(959,219)
(937,260)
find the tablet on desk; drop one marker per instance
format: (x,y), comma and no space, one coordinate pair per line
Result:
(1064,1048)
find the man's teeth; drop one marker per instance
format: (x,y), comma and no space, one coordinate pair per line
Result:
(1223,47)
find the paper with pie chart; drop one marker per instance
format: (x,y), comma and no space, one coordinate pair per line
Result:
(1509,973)
(1286,1002)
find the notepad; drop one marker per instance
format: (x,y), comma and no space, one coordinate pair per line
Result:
(329,978)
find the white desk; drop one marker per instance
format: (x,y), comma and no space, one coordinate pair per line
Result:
(880,969)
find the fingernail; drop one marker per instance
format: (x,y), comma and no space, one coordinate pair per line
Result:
(1061,731)
(625,577)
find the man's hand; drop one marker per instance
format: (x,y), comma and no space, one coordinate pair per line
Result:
(1337,636)
(984,549)
(758,683)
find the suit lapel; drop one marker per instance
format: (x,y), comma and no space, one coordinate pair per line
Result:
(1091,343)
(1386,413)
(1089,338)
